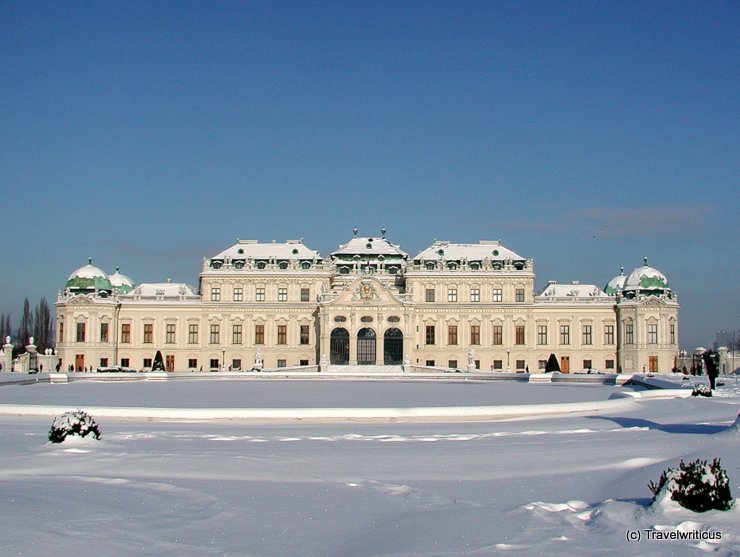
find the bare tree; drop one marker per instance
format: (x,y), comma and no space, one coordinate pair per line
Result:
(25,328)
(43,326)
(5,329)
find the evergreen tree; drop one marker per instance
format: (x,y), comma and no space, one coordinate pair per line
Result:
(158,364)
(552,364)
(43,326)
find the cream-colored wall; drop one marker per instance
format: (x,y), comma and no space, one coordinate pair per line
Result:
(331,296)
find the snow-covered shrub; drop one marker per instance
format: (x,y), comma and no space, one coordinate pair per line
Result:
(701,390)
(697,486)
(73,423)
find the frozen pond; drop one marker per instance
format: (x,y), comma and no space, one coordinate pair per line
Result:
(300,394)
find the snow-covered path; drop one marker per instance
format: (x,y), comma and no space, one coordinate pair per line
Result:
(561,485)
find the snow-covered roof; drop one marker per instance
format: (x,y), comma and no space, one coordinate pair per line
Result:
(572,290)
(163,289)
(121,282)
(646,278)
(615,286)
(253,249)
(88,277)
(484,249)
(368,246)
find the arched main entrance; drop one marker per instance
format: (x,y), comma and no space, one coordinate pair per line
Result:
(339,347)
(366,347)
(393,347)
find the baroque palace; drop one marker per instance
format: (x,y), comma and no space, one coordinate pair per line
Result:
(276,305)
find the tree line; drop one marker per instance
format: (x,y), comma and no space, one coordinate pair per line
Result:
(37,323)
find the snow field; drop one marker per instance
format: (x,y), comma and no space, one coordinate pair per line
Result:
(562,484)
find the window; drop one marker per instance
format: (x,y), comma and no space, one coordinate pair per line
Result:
(282,294)
(520,364)
(236,334)
(259,334)
(652,333)
(608,334)
(430,335)
(564,334)
(192,333)
(475,295)
(304,334)
(215,293)
(587,336)
(215,337)
(305,294)
(519,334)
(452,335)
(629,333)
(148,333)
(104,333)
(125,362)
(498,335)
(542,334)
(541,365)
(429,295)
(282,363)
(498,295)
(192,363)
(520,294)
(80,332)
(673,333)
(236,364)
(452,364)
(215,364)
(238,294)
(587,364)
(125,333)
(429,363)
(498,364)
(452,295)
(303,362)
(260,294)
(475,334)
(147,362)
(169,337)
(609,364)
(103,362)
(282,334)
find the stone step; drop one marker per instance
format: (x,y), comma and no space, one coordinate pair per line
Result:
(364,369)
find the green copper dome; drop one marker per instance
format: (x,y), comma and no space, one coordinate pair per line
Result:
(89,279)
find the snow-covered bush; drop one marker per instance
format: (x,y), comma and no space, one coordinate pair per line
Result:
(701,390)
(73,423)
(697,486)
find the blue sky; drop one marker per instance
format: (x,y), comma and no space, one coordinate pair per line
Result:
(584,135)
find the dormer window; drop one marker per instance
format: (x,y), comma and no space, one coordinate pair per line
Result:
(261,264)
(283,265)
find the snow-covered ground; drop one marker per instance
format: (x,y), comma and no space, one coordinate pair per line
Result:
(563,484)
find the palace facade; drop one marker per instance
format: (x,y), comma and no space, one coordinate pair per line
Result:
(276,305)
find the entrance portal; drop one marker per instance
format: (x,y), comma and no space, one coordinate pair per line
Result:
(366,347)
(339,347)
(393,347)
